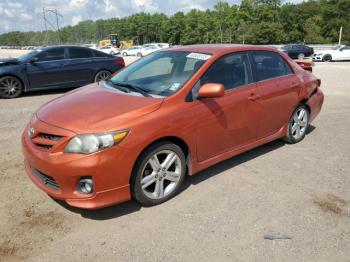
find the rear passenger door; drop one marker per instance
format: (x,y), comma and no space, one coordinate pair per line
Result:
(80,69)
(279,88)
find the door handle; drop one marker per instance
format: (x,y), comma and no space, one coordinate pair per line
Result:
(253,97)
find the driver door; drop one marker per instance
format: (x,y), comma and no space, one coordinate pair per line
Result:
(229,122)
(345,53)
(48,71)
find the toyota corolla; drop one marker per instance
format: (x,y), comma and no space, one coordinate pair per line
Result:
(170,114)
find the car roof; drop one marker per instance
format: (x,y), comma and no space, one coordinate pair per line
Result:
(55,46)
(220,48)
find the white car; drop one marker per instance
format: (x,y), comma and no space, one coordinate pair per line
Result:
(139,50)
(109,50)
(157,45)
(337,54)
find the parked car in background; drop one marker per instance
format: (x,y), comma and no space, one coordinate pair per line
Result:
(170,114)
(93,46)
(55,67)
(110,50)
(297,51)
(156,46)
(337,54)
(139,51)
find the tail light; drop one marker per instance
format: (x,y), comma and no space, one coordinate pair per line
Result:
(120,61)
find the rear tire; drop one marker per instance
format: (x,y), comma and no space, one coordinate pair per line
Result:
(102,76)
(327,58)
(158,174)
(301,56)
(298,124)
(125,54)
(10,87)
(139,54)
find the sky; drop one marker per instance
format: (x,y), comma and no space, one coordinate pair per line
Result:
(26,15)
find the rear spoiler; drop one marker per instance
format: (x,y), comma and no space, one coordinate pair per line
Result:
(305,64)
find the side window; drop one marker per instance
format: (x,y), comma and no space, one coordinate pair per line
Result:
(99,54)
(51,55)
(345,48)
(270,65)
(76,52)
(231,70)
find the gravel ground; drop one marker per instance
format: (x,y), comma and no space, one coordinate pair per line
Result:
(297,193)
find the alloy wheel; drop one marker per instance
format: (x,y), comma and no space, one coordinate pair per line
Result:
(102,76)
(161,174)
(10,87)
(299,123)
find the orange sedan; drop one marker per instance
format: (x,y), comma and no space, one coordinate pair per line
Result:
(170,114)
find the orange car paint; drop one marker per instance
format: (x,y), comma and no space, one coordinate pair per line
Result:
(214,129)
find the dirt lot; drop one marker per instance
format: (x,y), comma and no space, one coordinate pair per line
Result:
(300,193)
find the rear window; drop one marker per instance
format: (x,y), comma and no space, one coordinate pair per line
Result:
(270,65)
(76,52)
(99,54)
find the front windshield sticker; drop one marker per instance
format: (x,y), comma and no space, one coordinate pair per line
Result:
(174,87)
(198,56)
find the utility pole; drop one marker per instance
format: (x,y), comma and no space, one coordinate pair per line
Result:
(46,11)
(340,35)
(44,14)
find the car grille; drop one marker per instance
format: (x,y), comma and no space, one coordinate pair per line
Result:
(46,141)
(50,136)
(47,180)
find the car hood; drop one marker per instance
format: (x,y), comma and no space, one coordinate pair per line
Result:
(96,109)
(8,61)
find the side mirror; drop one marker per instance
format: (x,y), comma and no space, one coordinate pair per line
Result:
(211,90)
(33,60)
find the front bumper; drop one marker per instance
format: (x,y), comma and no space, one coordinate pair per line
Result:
(317,58)
(110,170)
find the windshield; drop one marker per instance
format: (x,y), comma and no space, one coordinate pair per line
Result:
(162,73)
(27,56)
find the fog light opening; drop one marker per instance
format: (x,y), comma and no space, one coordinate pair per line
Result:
(86,185)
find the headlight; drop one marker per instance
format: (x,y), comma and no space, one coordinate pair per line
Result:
(90,143)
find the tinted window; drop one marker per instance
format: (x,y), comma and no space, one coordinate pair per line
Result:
(345,48)
(76,52)
(270,65)
(231,70)
(99,54)
(51,54)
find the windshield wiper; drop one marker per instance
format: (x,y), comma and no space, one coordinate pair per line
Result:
(125,90)
(132,87)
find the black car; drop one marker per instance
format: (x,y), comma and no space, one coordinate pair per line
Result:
(296,51)
(55,67)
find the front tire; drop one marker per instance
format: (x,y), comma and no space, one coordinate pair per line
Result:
(10,87)
(158,174)
(125,54)
(139,54)
(327,58)
(298,125)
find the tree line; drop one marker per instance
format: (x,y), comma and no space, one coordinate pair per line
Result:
(250,22)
